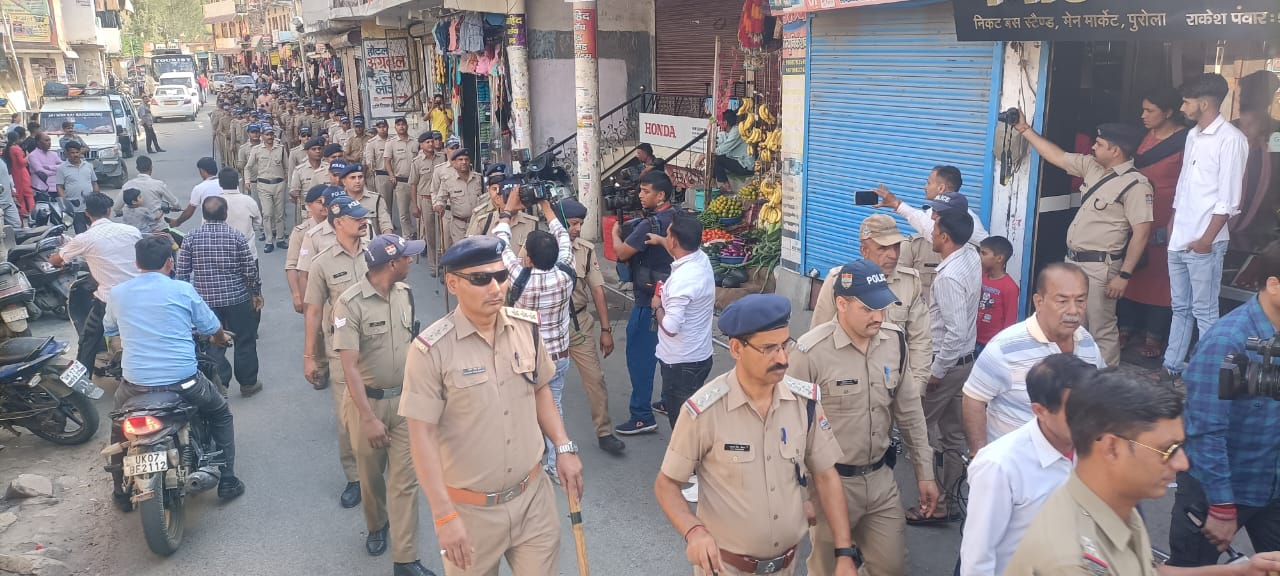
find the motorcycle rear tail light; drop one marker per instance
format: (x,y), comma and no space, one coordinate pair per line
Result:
(141,425)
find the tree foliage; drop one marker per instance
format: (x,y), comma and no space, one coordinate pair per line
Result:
(164,20)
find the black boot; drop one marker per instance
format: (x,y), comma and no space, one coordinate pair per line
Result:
(350,495)
(414,568)
(376,543)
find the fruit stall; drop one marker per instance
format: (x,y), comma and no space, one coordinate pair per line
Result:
(742,236)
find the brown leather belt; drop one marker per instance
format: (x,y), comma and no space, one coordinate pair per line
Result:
(1091,256)
(559,356)
(381,393)
(269,180)
(758,565)
(495,498)
(402,179)
(380,172)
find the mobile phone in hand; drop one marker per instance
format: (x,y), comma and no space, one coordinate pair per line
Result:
(866,198)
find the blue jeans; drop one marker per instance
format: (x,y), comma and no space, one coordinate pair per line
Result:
(1194,283)
(557,390)
(642,362)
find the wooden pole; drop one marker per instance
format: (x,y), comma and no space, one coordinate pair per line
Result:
(579,534)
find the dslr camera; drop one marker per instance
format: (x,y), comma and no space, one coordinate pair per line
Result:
(1239,377)
(1011,116)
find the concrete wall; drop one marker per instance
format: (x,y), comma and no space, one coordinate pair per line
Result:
(79,23)
(90,67)
(624,48)
(1013,205)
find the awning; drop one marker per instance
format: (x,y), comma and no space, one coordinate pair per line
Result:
(1117,20)
(802,6)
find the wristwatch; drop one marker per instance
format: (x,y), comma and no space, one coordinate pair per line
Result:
(567,448)
(608,329)
(1125,275)
(852,552)
(504,215)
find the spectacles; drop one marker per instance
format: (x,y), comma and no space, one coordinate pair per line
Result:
(484,278)
(1165,455)
(771,349)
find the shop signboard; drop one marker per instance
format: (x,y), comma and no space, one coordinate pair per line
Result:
(30,20)
(795,45)
(672,131)
(387,61)
(1116,20)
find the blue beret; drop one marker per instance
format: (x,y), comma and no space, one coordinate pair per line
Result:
(348,168)
(472,251)
(316,192)
(572,208)
(314,142)
(332,149)
(1127,136)
(864,280)
(423,137)
(755,313)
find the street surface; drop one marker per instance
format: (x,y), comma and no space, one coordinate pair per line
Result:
(289,521)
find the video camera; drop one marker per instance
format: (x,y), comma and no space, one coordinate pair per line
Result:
(1240,377)
(540,180)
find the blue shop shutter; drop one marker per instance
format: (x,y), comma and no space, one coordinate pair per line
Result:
(891,95)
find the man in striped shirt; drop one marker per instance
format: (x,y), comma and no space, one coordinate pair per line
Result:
(953,318)
(995,396)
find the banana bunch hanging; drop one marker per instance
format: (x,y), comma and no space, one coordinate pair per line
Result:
(771,191)
(759,127)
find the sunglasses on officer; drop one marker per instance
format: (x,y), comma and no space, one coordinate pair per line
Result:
(482,279)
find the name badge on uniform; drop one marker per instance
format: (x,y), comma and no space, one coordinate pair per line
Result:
(852,382)
(473,371)
(339,275)
(737,447)
(378,323)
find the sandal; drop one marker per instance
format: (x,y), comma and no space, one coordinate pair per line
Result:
(914,518)
(1151,348)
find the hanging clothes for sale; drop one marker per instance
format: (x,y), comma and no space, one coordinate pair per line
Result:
(471,37)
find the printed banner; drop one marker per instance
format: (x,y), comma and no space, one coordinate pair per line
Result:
(795,46)
(30,20)
(672,131)
(389,87)
(1159,20)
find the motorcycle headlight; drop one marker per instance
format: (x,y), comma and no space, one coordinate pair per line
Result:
(107,153)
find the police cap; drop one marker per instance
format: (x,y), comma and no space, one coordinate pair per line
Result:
(572,208)
(388,247)
(315,142)
(1127,136)
(344,205)
(472,251)
(753,313)
(317,192)
(332,149)
(864,280)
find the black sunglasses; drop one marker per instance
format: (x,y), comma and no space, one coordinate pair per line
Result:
(484,278)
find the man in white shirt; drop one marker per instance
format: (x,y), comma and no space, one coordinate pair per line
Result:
(995,396)
(1208,194)
(243,214)
(1011,478)
(108,248)
(208,186)
(684,308)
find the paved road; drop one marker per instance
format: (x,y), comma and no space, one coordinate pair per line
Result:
(289,521)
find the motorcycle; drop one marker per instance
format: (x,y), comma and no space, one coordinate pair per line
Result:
(168,456)
(48,210)
(16,294)
(52,284)
(44,393)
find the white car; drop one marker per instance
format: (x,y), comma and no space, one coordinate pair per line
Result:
(184,79)
(219,81)
(174,102)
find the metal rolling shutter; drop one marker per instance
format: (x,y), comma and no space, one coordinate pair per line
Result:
(686,33)
(891,95)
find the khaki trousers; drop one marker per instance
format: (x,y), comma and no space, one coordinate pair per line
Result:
(525,531)
(1100,317)
(583,352)
(457,228)
(271,198)
(427,227)
(942,412)
(399,477)
(878,524)
(384,186)
(338,386)
(404,197)
(731,571)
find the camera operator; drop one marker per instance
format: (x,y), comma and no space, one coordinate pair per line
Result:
(1108,235)
(649,263)
(1231,443)
(484,219)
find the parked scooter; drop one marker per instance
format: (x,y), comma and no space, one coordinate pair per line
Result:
(45,393)
(16,294)
(169,454)
(48,210)
(31,256)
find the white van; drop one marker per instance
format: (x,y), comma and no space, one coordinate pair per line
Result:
(186,79)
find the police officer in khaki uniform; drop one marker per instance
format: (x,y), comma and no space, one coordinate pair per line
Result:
(857,360)
(917,254)
(373,158)
(253,134)
(298,153)
(315,215)
(1109,234)
(352,178)
(332,271)
(478,402)
(373,326)
(398,158)
(484,218)
(353,149)
(265,169)
(589,288)
(756,438)
(457,192)
(339,134)
(310,171)
(420,181)
(239,135)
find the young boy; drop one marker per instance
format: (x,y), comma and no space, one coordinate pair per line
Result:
(140,217)
(998,308)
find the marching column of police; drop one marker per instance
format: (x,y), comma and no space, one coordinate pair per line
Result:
(794,439)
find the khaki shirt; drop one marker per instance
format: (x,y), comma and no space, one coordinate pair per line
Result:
(374,150)
(380,329)
(865,393)
(749,497)
(238,135)
(297,157)
(480,396)
(267,163)
(1107,217)
(485,218)
(401,153)
(304,177)
(242,155)
(910,312)
(332,272)
(1077,534)
(353,149)
(420,175)
(379,213)
(917,253)
(461,196)
(296,237)
(314,241)
(586,265)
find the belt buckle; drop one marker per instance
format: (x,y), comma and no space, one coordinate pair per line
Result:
(769,566)
(496,498)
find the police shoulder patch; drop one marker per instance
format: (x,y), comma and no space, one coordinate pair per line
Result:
(481,209)
(799,387)
(427,338)
(813,337)
(522,314)
(706,396)
(909,271)
(891,326)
